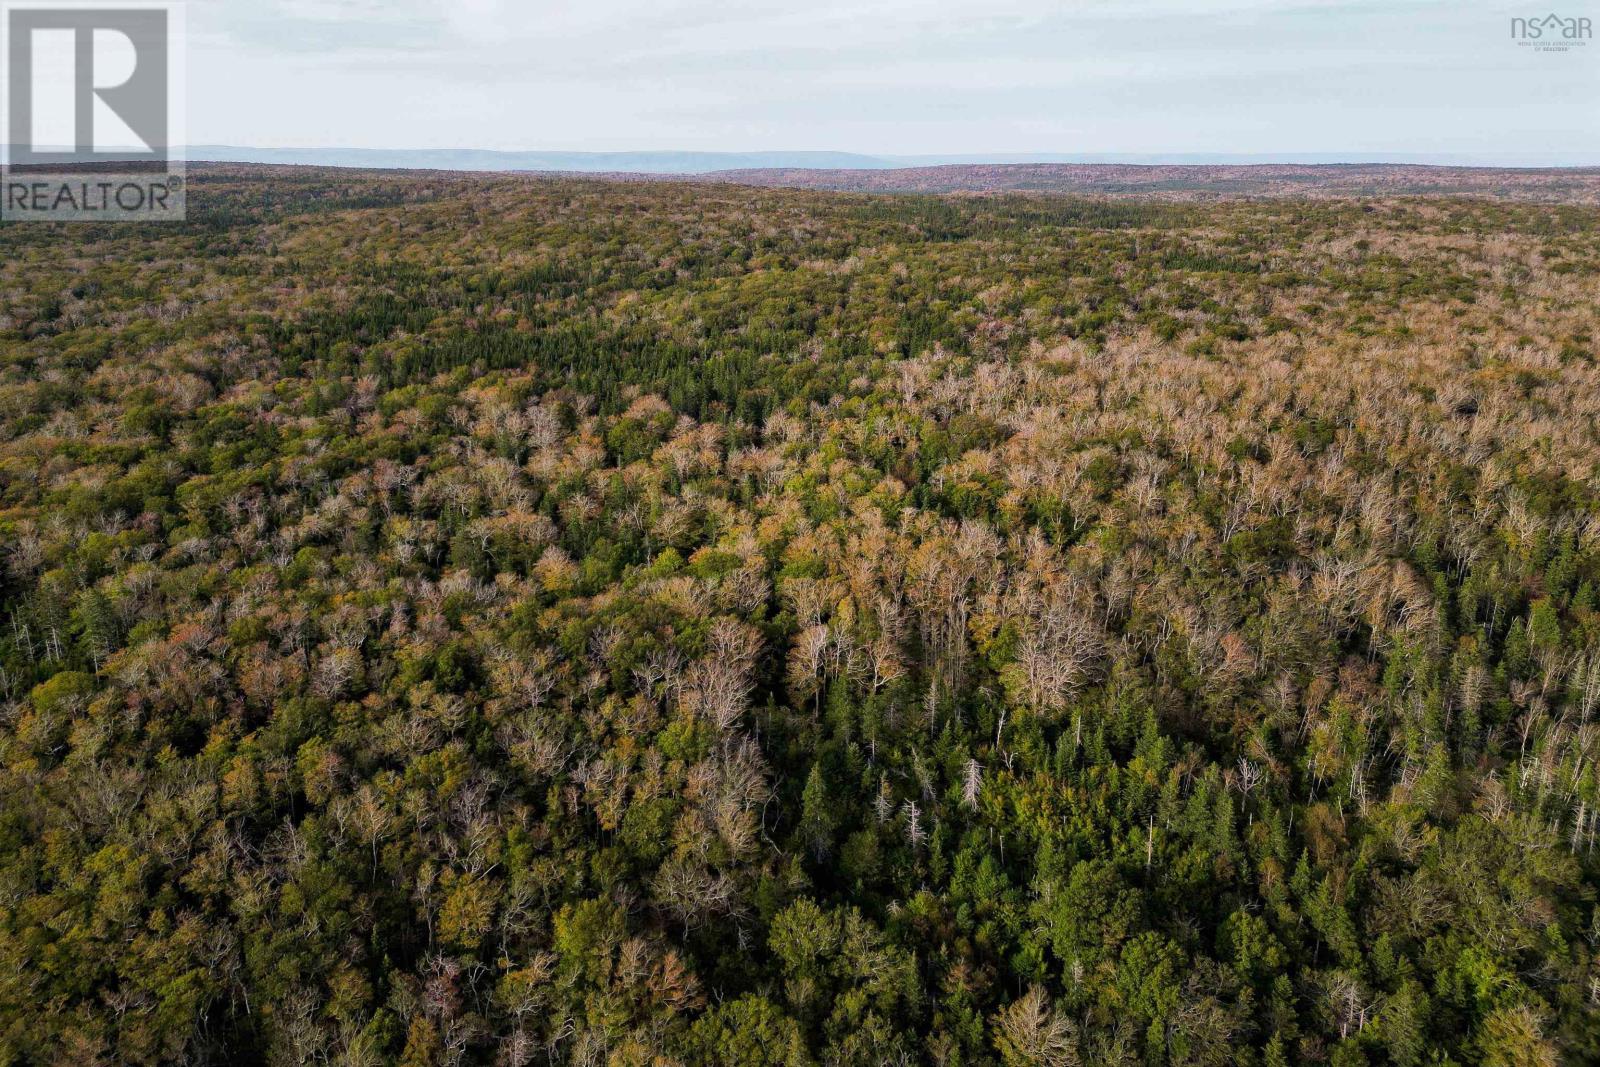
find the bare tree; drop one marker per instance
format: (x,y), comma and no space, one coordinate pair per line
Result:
(972,783)
(1033,1034)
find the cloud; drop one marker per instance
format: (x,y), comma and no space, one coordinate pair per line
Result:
(874,75)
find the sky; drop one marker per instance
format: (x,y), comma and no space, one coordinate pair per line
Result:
(891,76)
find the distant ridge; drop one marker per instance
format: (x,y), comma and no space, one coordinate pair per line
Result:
(1573,185)
(652,162)
(574,162)
(1207,182)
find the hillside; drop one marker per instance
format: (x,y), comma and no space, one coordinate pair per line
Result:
(501,620)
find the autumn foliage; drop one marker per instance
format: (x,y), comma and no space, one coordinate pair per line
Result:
(489,620)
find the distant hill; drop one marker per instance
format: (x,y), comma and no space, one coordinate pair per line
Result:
(574,162)
(1566,185)
(1569,185)
(707,162)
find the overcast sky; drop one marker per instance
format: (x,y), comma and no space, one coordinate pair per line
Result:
(890,76)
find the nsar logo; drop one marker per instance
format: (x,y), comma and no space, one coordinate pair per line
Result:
(1552,33)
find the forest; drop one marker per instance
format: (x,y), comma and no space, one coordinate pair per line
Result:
(520,621)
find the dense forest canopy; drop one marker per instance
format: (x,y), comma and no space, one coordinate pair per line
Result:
(503,621)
